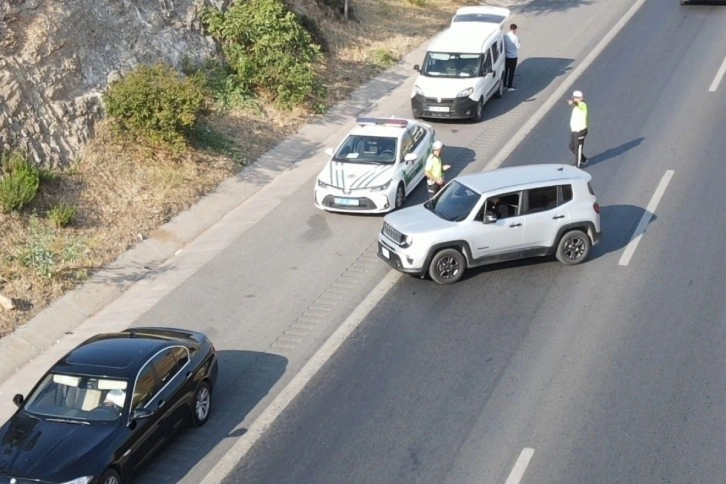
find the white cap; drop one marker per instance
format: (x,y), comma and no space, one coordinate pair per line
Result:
(577,94)
(117,397)
(437,145)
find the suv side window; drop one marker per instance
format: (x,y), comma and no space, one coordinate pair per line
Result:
(566,193)
(541,199)
(502,206)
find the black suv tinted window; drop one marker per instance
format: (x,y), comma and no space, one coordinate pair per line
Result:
(169,362)
(146,387)
(541,199)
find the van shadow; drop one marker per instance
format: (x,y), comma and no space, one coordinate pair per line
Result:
(614,152)
(532,76)
(245,378)
(617,225)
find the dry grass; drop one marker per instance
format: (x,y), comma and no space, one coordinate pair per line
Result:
(123,190)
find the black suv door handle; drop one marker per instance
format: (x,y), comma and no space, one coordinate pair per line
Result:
(558,216)
(516,225)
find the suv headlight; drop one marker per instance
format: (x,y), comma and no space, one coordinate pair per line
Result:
(418,90)
(465,92)
(322,184)
(380,188)
(407,241)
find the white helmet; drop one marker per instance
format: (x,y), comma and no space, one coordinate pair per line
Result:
(437,145)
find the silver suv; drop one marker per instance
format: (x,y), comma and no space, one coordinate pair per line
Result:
(495,216)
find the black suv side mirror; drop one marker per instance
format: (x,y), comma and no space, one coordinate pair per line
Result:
(18,399)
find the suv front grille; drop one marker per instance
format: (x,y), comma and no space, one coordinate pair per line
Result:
(392,233)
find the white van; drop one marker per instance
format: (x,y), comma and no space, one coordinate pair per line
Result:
(463,68)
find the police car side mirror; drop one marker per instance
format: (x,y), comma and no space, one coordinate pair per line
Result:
(410,157)
(329,152)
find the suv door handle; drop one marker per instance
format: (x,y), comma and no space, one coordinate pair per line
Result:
(558,216)
(516,225)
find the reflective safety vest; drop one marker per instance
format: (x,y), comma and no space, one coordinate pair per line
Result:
(435,166)
(578,120)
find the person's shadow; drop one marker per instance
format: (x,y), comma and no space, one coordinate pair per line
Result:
(614,152)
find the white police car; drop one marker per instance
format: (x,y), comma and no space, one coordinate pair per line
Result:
(377,165)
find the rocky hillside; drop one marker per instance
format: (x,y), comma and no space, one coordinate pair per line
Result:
(57,57)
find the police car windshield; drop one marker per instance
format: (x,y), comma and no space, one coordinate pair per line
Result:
(440,64)
(454,203)
(367,149)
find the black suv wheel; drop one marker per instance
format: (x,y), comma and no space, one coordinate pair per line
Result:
(447,266)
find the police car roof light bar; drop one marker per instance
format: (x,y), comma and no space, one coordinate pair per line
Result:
(383,121)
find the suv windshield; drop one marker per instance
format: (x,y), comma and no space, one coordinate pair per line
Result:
(442,64)
(78,398)
(367,149)
(454,203)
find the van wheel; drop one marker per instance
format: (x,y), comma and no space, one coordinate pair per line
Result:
(400,197)
(479,111)
(500,88)
(573,248)
(447,266)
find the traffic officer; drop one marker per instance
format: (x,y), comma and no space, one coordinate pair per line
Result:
(578,127)
(435,169)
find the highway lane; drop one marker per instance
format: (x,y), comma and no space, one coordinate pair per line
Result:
(283,285)
(610,373)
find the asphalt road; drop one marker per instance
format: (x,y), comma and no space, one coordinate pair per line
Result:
(611,371)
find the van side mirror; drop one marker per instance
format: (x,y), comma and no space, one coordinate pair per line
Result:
(417,68)
(18,399)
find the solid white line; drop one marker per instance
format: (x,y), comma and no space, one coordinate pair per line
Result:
(283,399)
(645,220)
(520,466)
(719,75)
(562,90)
(268,416)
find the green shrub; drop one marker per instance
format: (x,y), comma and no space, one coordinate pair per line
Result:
(19,183)
(62,215)
(156,103)
(268,51)
(383,58)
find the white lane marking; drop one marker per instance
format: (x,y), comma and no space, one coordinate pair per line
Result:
(268,416)
(719,76)
(283,399)
(520,466)
(645,220)
(562,90)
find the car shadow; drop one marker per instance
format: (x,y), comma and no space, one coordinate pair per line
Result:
(245,378)
(617,224)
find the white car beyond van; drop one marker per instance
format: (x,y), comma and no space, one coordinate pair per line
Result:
(463,67)
(375,167)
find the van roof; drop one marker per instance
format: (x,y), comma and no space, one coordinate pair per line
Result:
(464,37)
(519,176)
(481,13)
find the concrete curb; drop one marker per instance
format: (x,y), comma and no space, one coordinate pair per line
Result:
(65,314)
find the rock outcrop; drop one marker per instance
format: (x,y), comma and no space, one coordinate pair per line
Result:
(58,56)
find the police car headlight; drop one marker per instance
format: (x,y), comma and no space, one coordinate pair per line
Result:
(380,188)
(418,90)
(465,92)
(80,480)
(322,184)
(407,241)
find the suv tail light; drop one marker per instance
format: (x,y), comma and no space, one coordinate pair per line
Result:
(596,207)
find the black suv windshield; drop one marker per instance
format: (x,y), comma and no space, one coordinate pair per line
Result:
(367,149)
(442,64)
(454,203)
